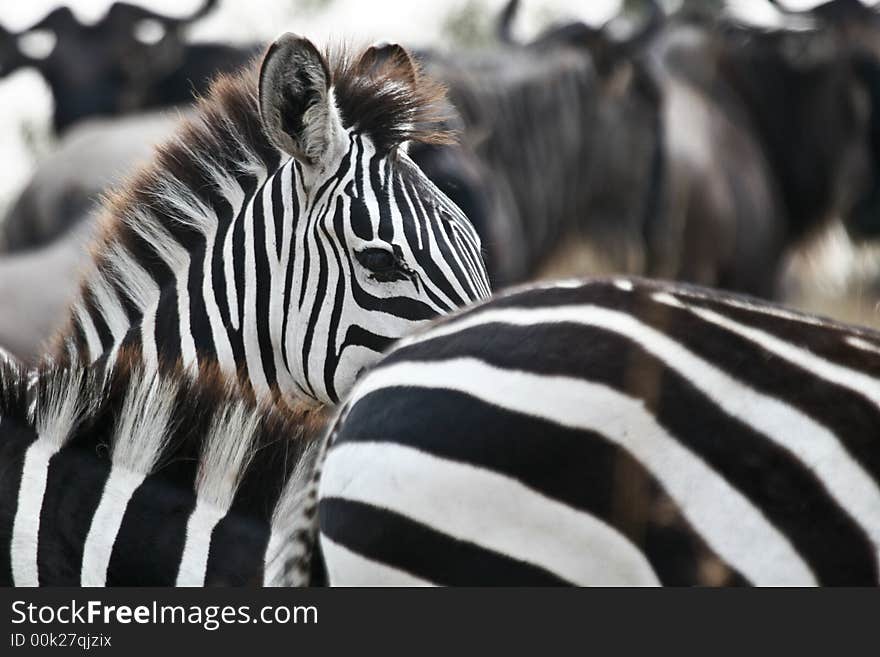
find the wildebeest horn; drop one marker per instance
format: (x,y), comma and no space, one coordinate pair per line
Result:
(653,24)
(59,20)
(597,39)
(132,13)
(503,29)
(627,47)
(56,20)
(833,10)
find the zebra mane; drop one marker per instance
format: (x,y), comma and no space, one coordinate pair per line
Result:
(151,422)
(13,390)
(389,100)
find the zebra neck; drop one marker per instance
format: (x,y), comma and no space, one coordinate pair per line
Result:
(205,284)
(246,284)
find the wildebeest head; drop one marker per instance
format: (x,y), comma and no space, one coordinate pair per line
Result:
(858,26)
(11,56)
(100,68)
(605,50)
(805,98)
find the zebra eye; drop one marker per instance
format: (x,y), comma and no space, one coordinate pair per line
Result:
(385,266)
(378,261)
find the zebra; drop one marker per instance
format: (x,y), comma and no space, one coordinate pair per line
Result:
(614,431)
(151,478)
(284,232)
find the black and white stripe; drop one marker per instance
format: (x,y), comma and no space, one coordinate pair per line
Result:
(613,431)
(290,242)
(131,477)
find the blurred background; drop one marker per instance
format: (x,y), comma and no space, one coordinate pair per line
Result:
(730,144)
(26,99)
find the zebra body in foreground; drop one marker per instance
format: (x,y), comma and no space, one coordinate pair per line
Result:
(284,233)
(149,478)
(616,431)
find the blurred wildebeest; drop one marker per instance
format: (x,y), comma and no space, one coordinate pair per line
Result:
(859,26)
(90,157)
(115,65)
(36,288)
(37,282)
(105,69)
(775,127)
(761,140)
(537,120)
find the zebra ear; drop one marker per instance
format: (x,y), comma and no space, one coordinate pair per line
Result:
(388,57)
(296,106)
(393,61)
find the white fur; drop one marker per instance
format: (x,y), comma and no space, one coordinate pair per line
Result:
(294,512)
(131,276)
(144,425)
(107,303)
(229,274)
(55,413)
(194,560)
(485,508)
(225,457)
(858,382)
(220,337)
(864,345)
(6,357)
(98,547)
(324,130)
(93,341)
(250,336)
(139,439)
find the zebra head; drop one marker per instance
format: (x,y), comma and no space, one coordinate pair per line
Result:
(377,250)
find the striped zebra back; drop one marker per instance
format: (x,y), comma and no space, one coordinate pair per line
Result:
(615,431)
(134,478)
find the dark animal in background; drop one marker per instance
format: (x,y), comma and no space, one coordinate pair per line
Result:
(109,68)
(538,119)
(90,158)
(48,230)
(788,153)
(686,151)
(858,25)
(745,172)
(105,69)
(36,288)
(741,144)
